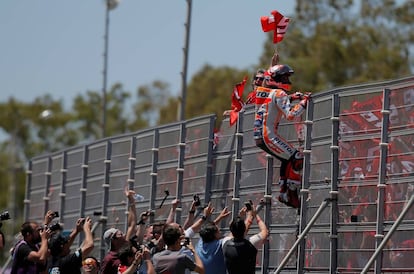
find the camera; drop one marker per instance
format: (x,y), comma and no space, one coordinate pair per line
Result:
(55,226)
(196,199)
(248,205)
(4,216)
(185,242)
(134,242)
(149,213)
(55,214)
(52,227)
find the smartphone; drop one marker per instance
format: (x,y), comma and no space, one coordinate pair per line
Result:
(186,241)
(248,205)
(196,200)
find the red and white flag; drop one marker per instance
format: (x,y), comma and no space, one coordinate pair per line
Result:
(237,103)
(277,23)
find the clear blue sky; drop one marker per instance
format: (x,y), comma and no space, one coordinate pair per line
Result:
(56,47)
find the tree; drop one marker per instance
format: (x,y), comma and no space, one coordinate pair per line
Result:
(152,106)
(88,113)
(336,43)
(210,90)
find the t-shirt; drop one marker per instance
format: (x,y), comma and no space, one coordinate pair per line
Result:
(240,256)
(172,262)
(211,254)
(69,264)
(141,270)
(110,263)
(21,264)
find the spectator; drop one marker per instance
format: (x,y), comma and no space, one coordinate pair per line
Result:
(159,242)
(149,235)
(62,261)
(115,238)
(172,260)
(132,260)
(28,256)
(2,241)
(240,253)
(90,265)
(152,237)
(209,247)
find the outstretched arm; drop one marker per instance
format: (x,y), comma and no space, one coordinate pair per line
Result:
(75,231)
(275,59)
(223,214)
(206,214)
(132,214)
(190,217)
(87,244)
(171,215)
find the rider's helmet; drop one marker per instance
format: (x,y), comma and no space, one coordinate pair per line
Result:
(279,77)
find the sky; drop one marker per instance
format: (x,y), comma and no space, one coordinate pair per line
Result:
(56,47)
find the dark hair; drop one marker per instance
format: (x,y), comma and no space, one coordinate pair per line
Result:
(26,228)
(124,253)
(171,234)
(238,228)
(157,227)
(56,243)
(208,232)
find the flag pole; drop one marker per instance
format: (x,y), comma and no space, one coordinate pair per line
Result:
(275,57)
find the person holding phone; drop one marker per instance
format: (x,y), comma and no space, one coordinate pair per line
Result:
(240,253)
(172,260)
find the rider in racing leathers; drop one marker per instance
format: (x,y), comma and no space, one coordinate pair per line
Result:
(272,104)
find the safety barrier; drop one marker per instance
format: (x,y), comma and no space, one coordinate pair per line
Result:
(359,156)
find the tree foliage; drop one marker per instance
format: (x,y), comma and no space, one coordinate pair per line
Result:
(333,43)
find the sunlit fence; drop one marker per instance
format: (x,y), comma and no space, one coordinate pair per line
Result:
(359,160)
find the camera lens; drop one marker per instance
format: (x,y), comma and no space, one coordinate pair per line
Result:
(4,216)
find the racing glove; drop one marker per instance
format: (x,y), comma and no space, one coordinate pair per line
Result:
(296,96)
(306,97)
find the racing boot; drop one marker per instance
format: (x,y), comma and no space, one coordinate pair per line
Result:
(288,193)
(293,195)
(294,168)
(283,196)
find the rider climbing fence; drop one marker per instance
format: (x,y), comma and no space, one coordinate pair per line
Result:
(358,178)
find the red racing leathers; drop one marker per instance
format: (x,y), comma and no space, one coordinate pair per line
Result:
(271,106)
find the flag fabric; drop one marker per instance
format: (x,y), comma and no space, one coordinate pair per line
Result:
(277,23)
(237,103)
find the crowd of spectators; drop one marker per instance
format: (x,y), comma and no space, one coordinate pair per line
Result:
(198,245)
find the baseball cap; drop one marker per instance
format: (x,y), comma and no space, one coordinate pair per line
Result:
(108,235)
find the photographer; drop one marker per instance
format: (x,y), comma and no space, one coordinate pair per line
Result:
(28,256)
(62,261)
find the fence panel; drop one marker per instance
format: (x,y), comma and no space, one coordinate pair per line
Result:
(90,180)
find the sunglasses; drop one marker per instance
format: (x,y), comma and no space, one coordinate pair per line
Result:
(89,262)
